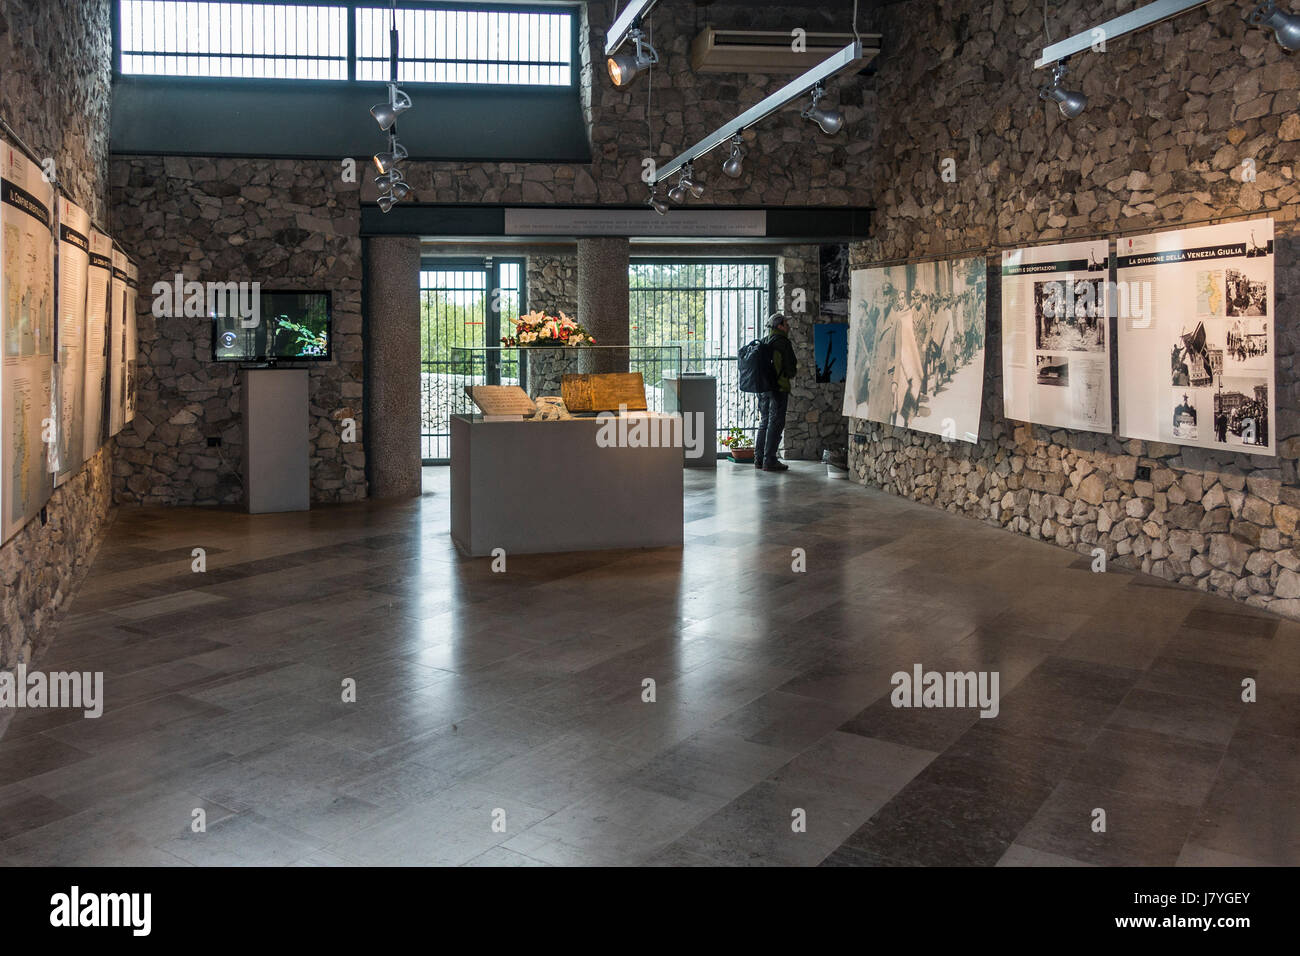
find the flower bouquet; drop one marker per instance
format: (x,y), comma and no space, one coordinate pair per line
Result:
(538,328)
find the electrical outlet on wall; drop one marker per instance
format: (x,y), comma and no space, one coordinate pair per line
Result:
(1144,473)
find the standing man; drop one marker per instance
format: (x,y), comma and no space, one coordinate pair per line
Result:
(772,405)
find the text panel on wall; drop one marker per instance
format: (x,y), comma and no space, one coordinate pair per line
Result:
(1056,335)
(1196,337)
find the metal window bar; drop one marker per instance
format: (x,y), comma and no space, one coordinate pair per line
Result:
(463,304)
(468,46)
(710,308)
(343,41)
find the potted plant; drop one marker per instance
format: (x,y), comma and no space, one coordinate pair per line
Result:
(739,444)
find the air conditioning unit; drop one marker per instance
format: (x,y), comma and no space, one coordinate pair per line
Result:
(770,51)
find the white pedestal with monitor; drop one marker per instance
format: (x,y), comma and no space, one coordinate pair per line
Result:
(276,447)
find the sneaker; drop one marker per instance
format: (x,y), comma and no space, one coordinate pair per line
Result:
(776,466)
(758,464)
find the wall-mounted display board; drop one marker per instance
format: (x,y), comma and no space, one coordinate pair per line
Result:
(27,404)
(129,342)
(99,281)
(70,342)
(117,341)
(1056,335)
(916,346)
(1196,337)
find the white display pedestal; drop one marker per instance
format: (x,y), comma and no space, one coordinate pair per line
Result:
(276,448)
(540,487)
(696,395)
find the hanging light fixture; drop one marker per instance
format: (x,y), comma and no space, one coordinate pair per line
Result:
(392,184)
(657,204)
(686,186)
(1286,26)
(395,153)
(624,67)
(735,163)
(386,114)
(1071,102)
(831,121)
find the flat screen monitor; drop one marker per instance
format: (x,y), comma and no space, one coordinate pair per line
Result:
(291,327)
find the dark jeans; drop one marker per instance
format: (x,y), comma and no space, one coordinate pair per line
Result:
(771,423)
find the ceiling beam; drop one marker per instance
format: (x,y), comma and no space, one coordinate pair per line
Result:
(1134,20)
(836,63)
(625,22)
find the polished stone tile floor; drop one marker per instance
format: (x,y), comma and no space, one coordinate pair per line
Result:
(500,718)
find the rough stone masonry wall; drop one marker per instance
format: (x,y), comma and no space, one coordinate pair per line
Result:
(55,92)
(1173,113)
(552,283)
(287,224)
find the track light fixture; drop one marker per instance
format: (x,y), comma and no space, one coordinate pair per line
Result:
(831,121)
(624,67)
(734,165)
(396,152)
(1286,26)
(686,186)
(392,185)
(388,180)
(655,203)
(1071,102)
(386,114)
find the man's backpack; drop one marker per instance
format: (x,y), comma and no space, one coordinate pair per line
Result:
(754,364)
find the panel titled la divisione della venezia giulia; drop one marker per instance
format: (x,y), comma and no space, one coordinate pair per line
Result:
(1194,316)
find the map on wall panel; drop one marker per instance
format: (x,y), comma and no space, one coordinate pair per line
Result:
(1056,335)
(1196,337)
(99,281)
(70,345)
(916,346)
(27,401)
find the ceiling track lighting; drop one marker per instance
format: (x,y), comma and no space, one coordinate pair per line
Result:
(657,204)
(395,153)
(625,67)
(392,184)
(734,166)
(1285,26)
(1116,27)
(846,59)
(1071,102)
(831,121)
(386,114)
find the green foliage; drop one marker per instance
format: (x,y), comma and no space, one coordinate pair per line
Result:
(736,438)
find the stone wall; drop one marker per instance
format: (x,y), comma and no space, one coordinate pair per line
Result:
(814,420)
(553,284)
(288,224)
(1173,114)
(55,92)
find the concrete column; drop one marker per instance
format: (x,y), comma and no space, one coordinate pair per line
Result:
(392,338)
(603,297)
